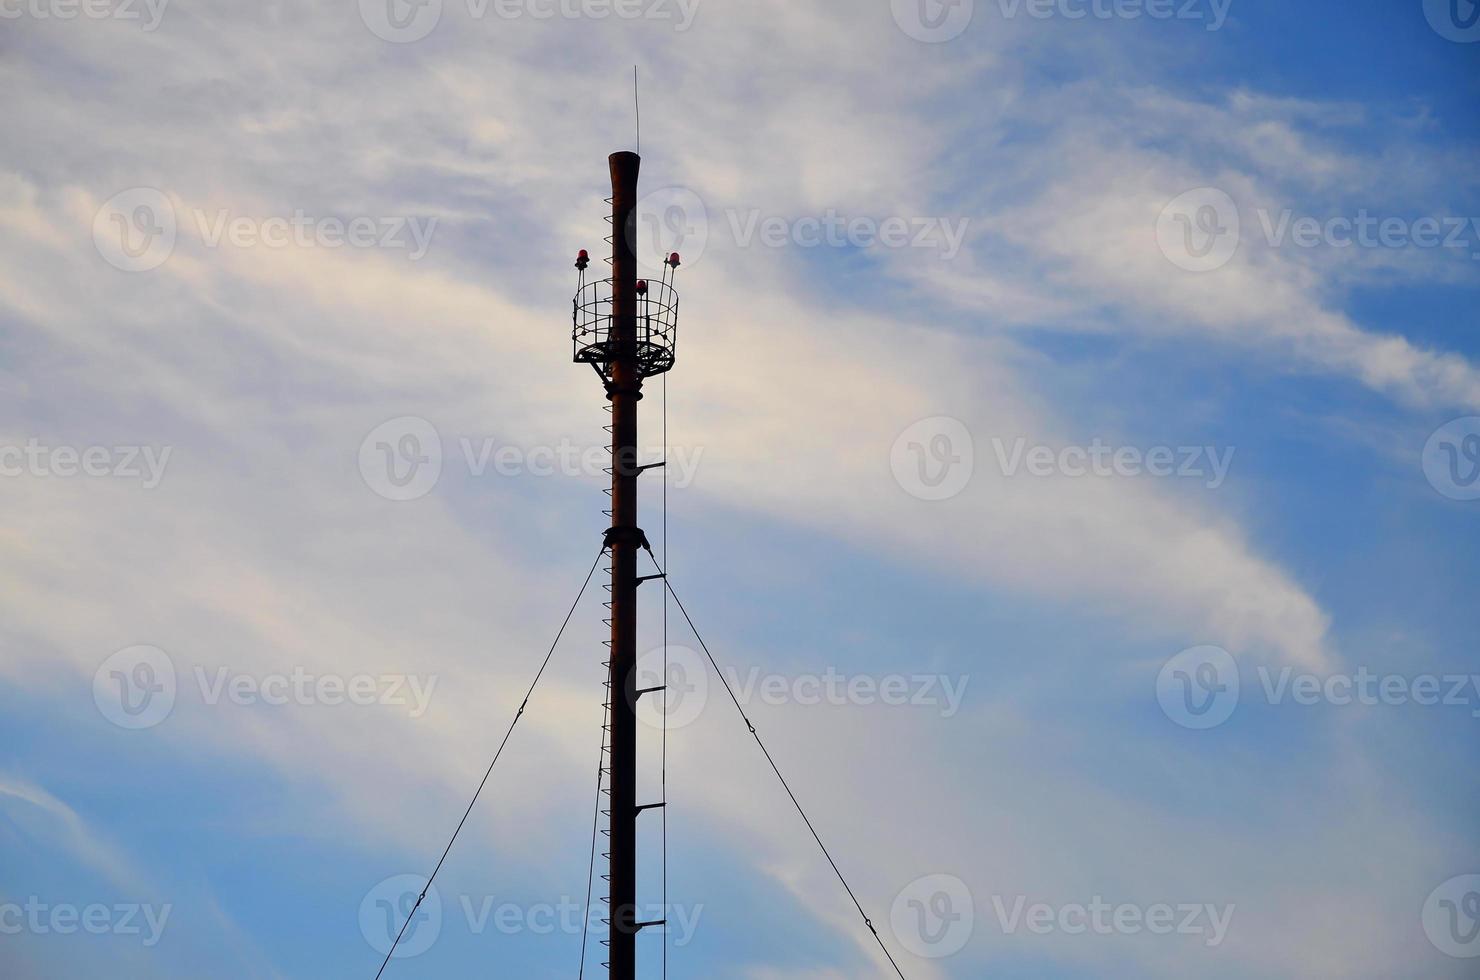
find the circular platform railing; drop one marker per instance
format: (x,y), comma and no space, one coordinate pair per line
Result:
(657,326)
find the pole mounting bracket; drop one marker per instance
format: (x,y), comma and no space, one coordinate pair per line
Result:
(615,532)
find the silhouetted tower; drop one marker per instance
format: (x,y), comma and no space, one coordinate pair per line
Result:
(625,328)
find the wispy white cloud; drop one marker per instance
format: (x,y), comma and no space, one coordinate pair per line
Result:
(69,831)
(1092,229)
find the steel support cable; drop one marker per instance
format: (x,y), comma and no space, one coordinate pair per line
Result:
(591,868)
(665,680)
(868,923)
(476,793)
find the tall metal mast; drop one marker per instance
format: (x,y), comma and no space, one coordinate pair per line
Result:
(625,328)
(624,390)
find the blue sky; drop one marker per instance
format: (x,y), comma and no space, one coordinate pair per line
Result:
(847,504)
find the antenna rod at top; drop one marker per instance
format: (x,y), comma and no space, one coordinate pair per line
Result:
(637,110)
